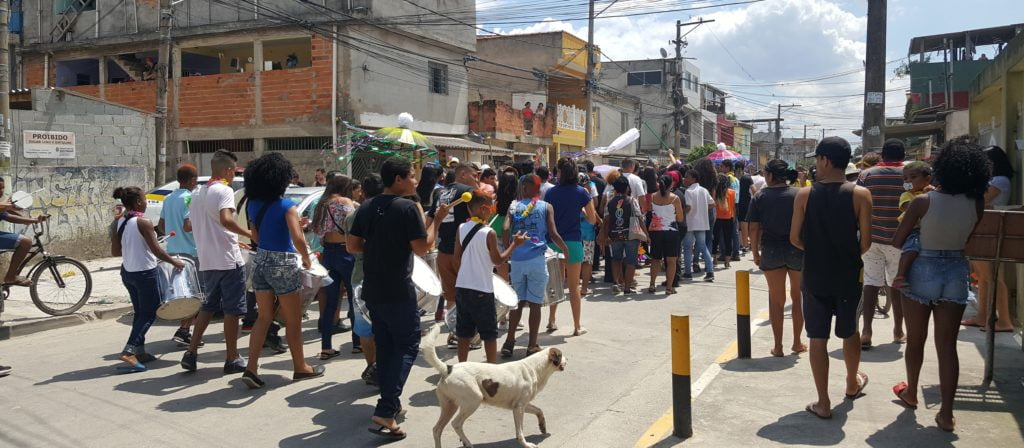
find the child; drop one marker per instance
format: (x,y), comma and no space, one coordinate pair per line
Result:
(589,234)
(615,233)
(917,180)
(134,240)
(477,249)
(534,217)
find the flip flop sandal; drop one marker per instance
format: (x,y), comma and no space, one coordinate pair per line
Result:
(1008,330)
(324,356)
(136,368)
(939,424)
(969,323)
(860,389)
(652,290)
(810,408)
(533,349)
(388,433)
(357,350)
(865,345)
(506,350)
(145,358)
(898,391)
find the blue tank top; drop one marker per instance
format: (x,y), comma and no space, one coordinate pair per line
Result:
(535,224)
(273,229)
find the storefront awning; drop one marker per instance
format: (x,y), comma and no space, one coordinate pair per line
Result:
(461,143)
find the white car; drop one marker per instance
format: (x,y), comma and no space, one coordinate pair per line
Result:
(155,198)
(305,199)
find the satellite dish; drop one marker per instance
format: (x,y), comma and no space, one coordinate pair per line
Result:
(664,54)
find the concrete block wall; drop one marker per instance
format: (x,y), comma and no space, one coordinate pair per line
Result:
(113,147)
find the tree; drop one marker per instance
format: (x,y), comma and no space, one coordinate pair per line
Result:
(700,152)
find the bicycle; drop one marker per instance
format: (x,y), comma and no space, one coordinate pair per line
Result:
(60,285)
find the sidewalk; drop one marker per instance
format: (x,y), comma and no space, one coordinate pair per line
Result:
(761,401)
(108,300)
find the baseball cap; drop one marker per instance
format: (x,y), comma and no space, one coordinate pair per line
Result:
(852,169)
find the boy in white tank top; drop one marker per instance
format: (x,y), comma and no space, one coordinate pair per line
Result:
(476,246)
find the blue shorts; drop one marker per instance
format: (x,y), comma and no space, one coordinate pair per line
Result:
(8,240)
(625,251)
(530,279)
(277,272)
(939,276)
(913,242)
(225,291)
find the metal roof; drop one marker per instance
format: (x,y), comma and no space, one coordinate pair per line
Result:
(980,36)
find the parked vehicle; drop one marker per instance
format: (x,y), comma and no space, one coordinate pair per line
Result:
(305,199)
(155,198)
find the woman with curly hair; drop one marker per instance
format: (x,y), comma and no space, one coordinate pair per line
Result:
(939,276)
(277,236)
(328,223)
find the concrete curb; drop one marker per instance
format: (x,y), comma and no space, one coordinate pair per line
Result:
(51,323)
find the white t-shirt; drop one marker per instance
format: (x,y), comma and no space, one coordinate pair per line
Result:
(544,187)
(759,182)
(1002,183)
(476,267)
(637,186)
(699,200)
(217,246)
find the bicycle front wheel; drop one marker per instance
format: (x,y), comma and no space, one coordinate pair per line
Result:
(60,286)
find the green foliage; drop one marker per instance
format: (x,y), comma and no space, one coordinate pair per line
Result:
(700,152)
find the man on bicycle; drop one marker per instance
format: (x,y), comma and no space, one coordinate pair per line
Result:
(20,244)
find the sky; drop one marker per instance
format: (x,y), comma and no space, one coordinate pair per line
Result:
(768,42)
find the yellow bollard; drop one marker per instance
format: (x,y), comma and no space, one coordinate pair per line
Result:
(682,416)
(743,314)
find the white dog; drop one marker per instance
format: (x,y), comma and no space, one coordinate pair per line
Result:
(513,385)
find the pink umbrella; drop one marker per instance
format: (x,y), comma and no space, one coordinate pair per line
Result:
(724,154)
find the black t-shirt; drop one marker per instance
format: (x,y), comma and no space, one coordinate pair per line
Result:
(772,207)
(681,194)
(450,225)
(745,183)
(387,223)
(620,210)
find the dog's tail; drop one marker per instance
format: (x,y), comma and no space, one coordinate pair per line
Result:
(430,352)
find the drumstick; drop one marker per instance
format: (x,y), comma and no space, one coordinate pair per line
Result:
(466,197)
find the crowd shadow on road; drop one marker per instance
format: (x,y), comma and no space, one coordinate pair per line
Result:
(337,404)
(234,396)
(883,353)
(763,364)
(803,428)
(905,429)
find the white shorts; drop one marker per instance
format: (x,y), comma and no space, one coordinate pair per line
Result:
(881,262)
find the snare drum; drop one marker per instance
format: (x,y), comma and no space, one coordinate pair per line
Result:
(427,283)
(313,279)
(180,293)
(556,283)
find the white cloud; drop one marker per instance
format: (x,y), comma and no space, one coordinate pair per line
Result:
(773,41)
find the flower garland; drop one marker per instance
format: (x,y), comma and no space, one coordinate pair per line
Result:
(218,180)
(527,211)
(477,220)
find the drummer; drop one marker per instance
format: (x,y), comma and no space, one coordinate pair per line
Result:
(477,252)
(134,240)
(174,222)
(447,264)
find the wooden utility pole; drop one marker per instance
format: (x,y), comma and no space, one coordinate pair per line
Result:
(589,82)
(163,56)
(873,131)
(678,98)
(5,90)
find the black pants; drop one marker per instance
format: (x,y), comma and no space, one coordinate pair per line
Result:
(723,238)
(396,330)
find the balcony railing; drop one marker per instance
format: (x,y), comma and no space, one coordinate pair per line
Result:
(571,118)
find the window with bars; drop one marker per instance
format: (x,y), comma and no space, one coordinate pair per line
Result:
(649,78)
(438,78)
(298,143)
(209,146)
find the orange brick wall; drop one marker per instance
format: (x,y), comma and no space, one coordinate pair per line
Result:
(138,94)
(87,90)
(217,100)
(301,94)
(501,117)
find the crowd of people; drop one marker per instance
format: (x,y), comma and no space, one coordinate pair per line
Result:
(903,227)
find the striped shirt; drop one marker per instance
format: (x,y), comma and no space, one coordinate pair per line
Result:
(885,181)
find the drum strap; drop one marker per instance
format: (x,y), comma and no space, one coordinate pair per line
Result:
(260,215)
(469,237)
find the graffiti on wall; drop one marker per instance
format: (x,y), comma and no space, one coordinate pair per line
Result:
(79,201)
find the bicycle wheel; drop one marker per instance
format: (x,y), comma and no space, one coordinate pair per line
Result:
(47,292)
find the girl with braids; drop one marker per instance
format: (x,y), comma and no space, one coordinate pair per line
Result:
(939,277)
(666,210)
(329,225)
(134,239)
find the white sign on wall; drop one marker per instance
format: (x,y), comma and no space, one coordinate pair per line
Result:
(49,145)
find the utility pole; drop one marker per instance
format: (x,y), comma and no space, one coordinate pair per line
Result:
(778,129)
(639,125)
(678,98)
(163,56)
(873,132)
(5,91)
(589,82)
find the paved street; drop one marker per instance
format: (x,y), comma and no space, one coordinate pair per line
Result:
(65,391)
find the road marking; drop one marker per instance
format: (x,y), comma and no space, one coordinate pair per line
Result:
(662,428)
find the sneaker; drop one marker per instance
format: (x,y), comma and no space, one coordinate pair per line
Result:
(246,327)
(188,362)
(688,277)
(5,370)
(182,337)
(342,327)
(236,366)
(709,278)
(250,379)
(616,288)
(369,375)
(275,345)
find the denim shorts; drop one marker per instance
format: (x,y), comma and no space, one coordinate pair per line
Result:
(939,276)
(530,279)
(913,242)
(225,291)
(779,255)
(277,272)
(625,251)
(476,314)
(9,240)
